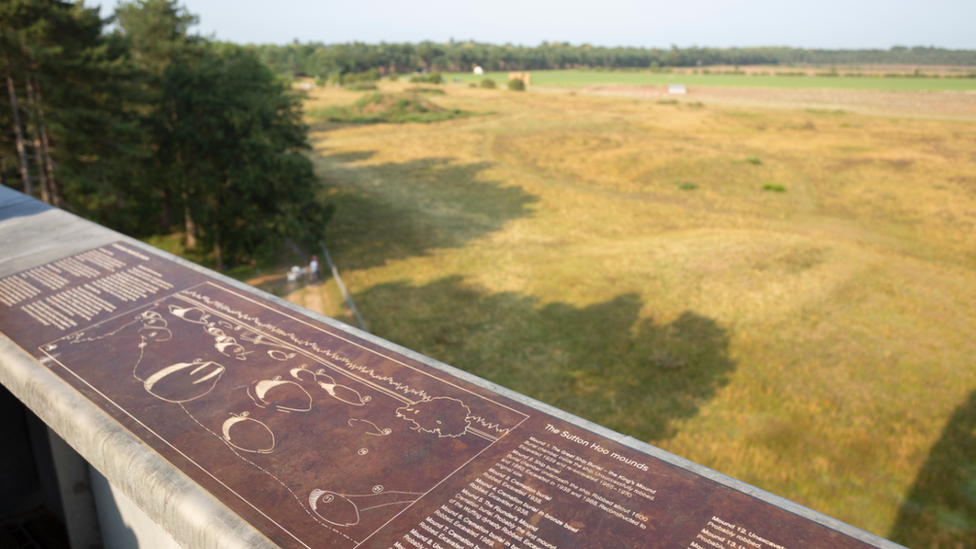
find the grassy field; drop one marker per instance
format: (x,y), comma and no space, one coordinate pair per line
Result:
(572,78)
(786,296)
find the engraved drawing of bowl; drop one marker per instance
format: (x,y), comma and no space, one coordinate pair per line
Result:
(249,435)
(283,394)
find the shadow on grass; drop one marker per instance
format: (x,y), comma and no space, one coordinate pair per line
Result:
(396,210)
(941,508)
(602,362)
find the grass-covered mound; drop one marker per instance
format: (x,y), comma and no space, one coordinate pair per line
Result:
(397,108)
(429,91)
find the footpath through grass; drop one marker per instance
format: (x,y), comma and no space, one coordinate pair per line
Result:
(571,78)
(788,297)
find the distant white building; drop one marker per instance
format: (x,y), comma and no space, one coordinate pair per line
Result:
(678,89)
(478,70)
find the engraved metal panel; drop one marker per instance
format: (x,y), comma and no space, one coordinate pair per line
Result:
(320,438)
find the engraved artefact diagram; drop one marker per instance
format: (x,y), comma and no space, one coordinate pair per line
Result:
(321,438)
(311,433)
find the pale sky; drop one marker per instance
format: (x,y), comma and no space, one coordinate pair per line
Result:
(830,24)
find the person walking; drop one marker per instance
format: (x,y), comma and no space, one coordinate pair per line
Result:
(313,269)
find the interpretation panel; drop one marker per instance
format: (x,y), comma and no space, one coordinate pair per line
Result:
(320,438)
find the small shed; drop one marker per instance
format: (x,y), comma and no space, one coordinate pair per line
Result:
(677,89)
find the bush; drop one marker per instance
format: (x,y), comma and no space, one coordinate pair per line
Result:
(472,85)
(393,77)
(432,78)
(489,84)
(754,160)
(361,86)
(359,77)
(687,186)
(429,91)
(774,187)
(516,84)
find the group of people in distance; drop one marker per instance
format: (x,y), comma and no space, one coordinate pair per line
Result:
(312,271)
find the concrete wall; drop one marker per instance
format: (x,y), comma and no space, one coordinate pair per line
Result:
(123,524)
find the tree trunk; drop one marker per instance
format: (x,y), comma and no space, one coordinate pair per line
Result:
(38,155)
(218,254)
(215,232)
(46,149)
(21,152)
(191,227)
(164,221)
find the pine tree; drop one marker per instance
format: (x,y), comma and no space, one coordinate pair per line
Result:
(69,82)
(157,32)
(235,134)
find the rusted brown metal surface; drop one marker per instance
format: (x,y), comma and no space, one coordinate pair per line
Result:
(322,439)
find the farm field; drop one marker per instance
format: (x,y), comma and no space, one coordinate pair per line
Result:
(787,296)
(573,78)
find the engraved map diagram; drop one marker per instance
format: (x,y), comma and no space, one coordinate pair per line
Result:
(320,435)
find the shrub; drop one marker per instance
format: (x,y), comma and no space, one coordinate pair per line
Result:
(774,187)
(516,84)
(687,186)
(754,160)
(472,85)
(429,91)
(393,77)
(432,78)
(361,86)
(369,76)
(488,83)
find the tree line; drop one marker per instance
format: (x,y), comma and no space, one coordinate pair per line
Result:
(148,129)
(316,59)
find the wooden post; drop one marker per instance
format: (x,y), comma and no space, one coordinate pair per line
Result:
(342,287)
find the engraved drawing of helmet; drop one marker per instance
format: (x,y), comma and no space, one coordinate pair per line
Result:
(184,381)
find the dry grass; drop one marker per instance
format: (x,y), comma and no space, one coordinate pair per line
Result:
(814,342)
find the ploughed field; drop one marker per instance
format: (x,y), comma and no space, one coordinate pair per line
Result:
(785,295)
